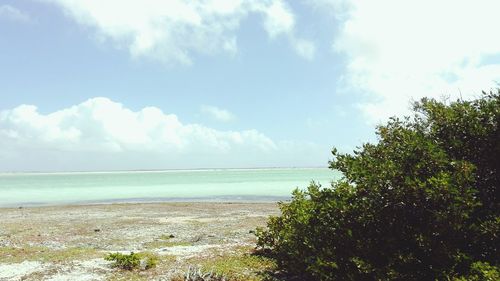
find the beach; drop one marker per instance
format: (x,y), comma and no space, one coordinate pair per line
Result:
(69,242)
(61,226)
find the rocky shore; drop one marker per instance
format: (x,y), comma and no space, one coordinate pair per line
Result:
(70,242)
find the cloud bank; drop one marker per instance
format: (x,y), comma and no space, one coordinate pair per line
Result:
(100,134)
(172,31)
(401,50)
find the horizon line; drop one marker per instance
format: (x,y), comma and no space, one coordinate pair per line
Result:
(159,170)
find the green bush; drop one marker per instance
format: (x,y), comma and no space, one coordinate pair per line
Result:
(132,261)
(421,204)
(481,271)
(128,262)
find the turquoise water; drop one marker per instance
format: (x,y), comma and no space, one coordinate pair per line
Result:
(207,185)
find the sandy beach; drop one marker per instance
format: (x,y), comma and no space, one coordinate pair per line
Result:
(70,242)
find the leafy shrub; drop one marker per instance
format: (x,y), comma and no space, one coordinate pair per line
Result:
(132,261)
(421,204)
(481,271)
(128,262)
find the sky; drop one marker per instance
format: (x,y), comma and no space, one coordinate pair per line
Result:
(177,84)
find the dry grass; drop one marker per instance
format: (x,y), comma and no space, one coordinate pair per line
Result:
(44,254)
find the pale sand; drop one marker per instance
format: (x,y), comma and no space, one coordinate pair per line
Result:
(69,242)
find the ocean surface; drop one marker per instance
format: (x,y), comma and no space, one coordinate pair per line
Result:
(31,189)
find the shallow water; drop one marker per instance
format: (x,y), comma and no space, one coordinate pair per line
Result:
(22,189)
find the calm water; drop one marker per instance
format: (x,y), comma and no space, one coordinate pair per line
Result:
(212,185)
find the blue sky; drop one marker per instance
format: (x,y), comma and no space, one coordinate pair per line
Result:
(225,83)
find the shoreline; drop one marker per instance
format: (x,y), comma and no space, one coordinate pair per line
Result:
(230,199)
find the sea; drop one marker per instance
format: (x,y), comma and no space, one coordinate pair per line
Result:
(217,185)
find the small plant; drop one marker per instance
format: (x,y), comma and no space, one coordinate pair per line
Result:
(242,266)
(166,237)
(132,261)
(128,262)
(149,260)
(197,274)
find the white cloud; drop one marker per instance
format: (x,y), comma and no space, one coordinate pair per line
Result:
(403,50)
(304,48)
(11,13)
(172,31)
(279,18)
(100,134)
(217,113)
(100,124)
